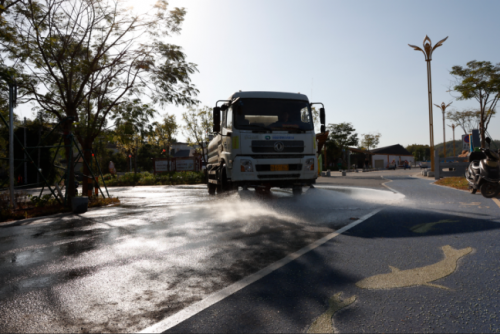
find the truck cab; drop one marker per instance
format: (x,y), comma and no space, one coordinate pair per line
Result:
(263,140)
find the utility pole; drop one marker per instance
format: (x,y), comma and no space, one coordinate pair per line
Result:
(427,50)
(443,109)
(453,128)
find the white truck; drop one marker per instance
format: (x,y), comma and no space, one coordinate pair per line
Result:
(263,140)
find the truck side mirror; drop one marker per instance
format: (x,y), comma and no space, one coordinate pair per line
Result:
(216,111)
(322,116)
(322,128)
(488,140)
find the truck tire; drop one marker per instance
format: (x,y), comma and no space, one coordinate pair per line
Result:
(297,190)
(211,189)
(223,184)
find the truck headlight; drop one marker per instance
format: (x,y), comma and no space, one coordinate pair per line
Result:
(309,165)
(246,166)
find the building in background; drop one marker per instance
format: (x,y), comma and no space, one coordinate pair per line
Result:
(381,157)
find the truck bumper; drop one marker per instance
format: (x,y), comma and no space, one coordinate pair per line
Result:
(264,173)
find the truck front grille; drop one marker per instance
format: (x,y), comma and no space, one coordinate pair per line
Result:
(267,146)
(278,176)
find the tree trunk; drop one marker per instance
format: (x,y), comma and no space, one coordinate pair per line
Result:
(87,154)
(482,130)
(135,161)
(70,186)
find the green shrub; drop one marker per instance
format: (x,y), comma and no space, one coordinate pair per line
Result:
(146,178)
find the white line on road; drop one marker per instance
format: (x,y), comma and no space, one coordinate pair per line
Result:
(216,297)
(391,189)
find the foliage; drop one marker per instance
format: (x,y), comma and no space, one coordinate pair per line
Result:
(81,58)
(419,152)
(199,123)
(342,135)
(146,178)
(495,144)
(479,80)
(162,135)
(370,140)
(131,119)
(134,114)
(468,119)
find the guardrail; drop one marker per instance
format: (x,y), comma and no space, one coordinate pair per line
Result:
(455,168)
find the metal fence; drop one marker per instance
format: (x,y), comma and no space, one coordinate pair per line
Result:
(451,166)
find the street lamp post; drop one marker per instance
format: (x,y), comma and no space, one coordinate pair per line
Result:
(453,128)
(427,51)
(443,108)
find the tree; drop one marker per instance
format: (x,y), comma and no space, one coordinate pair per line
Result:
(199,124)
(129,141)
(81,58)
(480,80)
(468,119)
(340,135)
(419,152)
(163,134)
(370,140)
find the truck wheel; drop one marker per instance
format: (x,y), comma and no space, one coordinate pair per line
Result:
(211,189)
(223,185)
(297,190)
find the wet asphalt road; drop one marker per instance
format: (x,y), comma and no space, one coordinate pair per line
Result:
(127,268)
(407,236)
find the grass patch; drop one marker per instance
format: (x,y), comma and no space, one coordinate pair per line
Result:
(148,179)
(32,206)
(457,182)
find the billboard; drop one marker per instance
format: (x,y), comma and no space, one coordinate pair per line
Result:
(162,166)
(184,165)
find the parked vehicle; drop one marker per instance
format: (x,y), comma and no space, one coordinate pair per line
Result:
(483,172)
(263,140)
(391,166)
(422,165)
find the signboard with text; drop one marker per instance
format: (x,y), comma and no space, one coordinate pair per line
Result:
(184,165)
(162,165)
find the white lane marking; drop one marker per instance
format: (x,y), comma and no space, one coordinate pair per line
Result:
(391,189)
(216,297)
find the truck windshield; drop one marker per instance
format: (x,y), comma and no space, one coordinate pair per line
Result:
(272,114)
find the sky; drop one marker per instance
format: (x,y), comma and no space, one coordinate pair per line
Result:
(351,55)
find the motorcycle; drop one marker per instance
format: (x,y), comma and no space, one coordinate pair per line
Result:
(483,172)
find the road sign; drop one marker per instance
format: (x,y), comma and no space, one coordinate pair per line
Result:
(465,142)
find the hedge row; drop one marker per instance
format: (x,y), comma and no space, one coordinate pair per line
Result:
(148,179)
